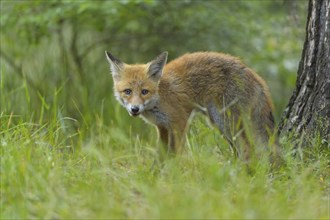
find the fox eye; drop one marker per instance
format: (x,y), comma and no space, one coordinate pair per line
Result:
(144,91)
(127,91)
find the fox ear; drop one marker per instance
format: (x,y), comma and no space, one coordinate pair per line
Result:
(116,65)
(156,66)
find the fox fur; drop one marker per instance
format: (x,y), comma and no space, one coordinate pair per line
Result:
(232,95)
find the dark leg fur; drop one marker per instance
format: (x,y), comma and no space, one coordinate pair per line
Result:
(219,122)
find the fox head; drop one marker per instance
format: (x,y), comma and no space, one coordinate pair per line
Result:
(136,86)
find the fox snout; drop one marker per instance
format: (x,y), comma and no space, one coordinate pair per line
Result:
(134,110)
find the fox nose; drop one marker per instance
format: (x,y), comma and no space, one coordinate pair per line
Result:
(135,109)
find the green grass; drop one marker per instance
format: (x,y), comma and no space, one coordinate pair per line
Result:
(68,150)
(49,172)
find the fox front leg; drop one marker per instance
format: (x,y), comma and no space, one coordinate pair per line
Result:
(174,136)
(167,139)
(163,134)
(172,140)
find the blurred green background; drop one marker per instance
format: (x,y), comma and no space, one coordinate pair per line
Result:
(52,52)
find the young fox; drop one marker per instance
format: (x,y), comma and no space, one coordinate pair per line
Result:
(219,85)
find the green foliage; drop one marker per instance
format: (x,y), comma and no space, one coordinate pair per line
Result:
(55,46)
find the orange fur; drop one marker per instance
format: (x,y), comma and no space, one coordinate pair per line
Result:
(220,85)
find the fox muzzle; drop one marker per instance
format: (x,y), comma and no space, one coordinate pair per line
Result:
(134,110)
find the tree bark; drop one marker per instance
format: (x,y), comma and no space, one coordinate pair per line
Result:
(308,110)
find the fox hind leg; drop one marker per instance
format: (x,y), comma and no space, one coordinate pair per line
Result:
(219,122)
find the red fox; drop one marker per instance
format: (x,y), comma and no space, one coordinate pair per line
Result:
(218,85)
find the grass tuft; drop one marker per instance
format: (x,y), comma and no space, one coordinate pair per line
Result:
(48,172)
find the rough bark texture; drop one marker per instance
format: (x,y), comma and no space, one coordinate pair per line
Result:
(309,107)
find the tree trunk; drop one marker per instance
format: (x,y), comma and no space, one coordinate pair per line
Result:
(309,108)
